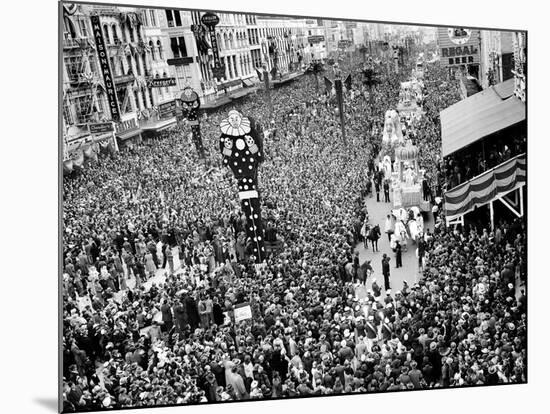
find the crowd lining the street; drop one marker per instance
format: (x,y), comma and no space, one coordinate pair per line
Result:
(131,340)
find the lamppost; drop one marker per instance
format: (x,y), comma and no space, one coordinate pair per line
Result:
(339,96)
(263,76)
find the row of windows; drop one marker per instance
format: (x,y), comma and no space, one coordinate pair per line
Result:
(174,18)
(250,19)
(82,109)
(253,36)
(112,34)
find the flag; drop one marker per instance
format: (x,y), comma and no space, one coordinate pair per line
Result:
(78,159)
(328,84)
(347,82)
(67,166)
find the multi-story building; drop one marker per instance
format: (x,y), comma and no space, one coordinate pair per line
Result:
(496,57)
(135,55)
(315,49)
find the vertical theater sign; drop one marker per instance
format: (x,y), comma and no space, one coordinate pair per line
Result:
(211,20)
(105,68)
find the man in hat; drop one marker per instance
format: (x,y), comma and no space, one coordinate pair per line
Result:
(371,332)
(386,271)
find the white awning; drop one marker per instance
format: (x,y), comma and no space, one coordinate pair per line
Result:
(478,116)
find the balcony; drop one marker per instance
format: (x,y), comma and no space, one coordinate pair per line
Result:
(73,43)
(124,78)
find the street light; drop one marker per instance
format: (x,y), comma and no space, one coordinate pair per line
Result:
(339,97)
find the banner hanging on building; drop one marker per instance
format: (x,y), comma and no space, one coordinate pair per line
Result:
(484,188)
(105,67)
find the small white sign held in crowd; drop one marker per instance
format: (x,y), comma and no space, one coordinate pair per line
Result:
(242,312)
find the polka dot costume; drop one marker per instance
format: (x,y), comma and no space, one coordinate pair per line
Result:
(243,152)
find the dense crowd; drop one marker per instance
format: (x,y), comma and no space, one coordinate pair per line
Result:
(129,342)
(465,165)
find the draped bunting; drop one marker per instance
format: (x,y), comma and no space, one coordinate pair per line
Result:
(485,187)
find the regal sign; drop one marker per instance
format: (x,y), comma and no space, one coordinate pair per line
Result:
(458,51)
(458,46)
(105,68)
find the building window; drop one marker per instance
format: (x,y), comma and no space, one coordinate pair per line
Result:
(83,29)
(115,35)
(73,64)
(177,44)
(153,18)
(106,34)
(161,54)
(123,31)
(152,47)
(170,18)
(129,62)
(131,30)
(113,66)
(83,108)
(178,17)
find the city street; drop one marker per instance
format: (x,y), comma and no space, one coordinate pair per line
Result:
(409,271)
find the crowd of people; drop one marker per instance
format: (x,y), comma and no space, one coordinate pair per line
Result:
(156,260)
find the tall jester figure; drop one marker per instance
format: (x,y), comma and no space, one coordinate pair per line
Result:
(242,150)
(191,103)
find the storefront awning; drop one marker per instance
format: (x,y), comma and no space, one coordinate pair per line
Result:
(248,83)
(242,92)
(476,117)
(128,133)
(158,125)
(505,89)
(216,103)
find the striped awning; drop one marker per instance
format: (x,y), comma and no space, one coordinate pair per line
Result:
(478,116)
(482,189)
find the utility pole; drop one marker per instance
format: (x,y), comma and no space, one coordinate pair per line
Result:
(340,101)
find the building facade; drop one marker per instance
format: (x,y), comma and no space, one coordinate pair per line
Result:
(497,57)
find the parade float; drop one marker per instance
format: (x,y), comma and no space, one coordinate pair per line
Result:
(407,178)
(410,98)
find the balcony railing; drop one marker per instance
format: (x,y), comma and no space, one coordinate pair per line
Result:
(70,42)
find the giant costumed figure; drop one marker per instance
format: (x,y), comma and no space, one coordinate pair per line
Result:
(191,103)
(242,150)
